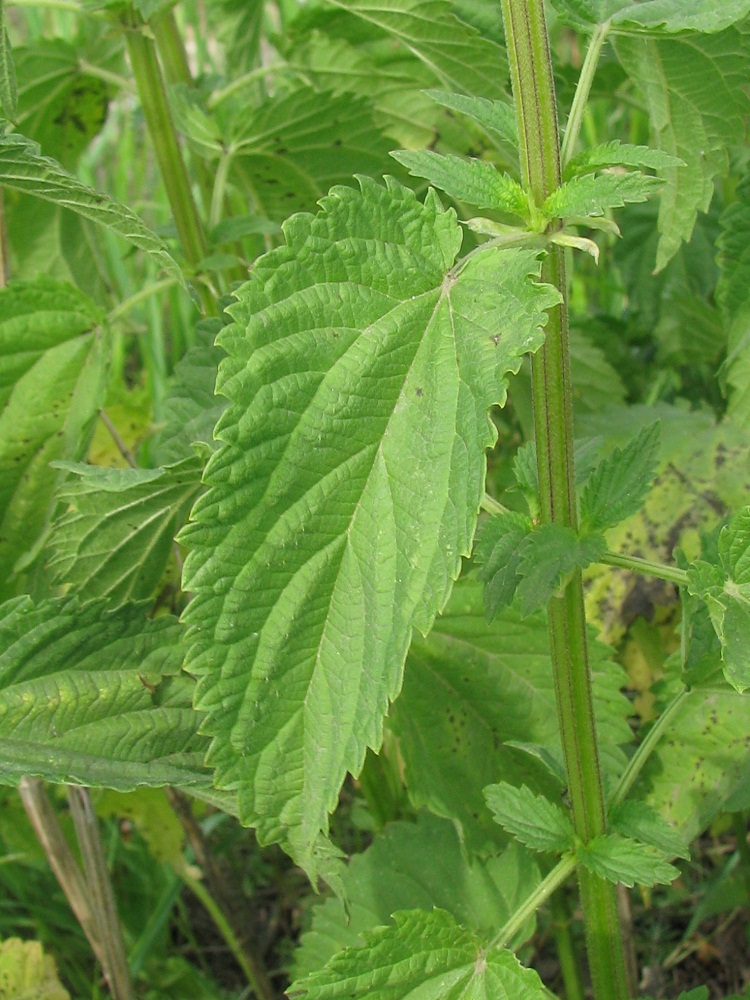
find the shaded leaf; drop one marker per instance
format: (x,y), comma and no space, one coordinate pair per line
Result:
(497,118)
(498,552)
(462,60)
(391,875)
(90,696)
(471,690)
(52,380)
(425,952)
(360,372)
(116,535)
(639,821)
(548,555)
(622,860)
(733,296)
(679,15)
(532,819)
(694,116)
(617,486)
(8,93)
(23,168)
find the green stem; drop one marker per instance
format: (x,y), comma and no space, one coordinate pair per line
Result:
(647,746)
(156,288)
(224,928)
(670,573)
(583,89)
(219,96)
(552,881)
(552,397)
(564,944)
(156,111)
(171,49)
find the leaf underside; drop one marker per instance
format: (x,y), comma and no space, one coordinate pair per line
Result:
(360,372)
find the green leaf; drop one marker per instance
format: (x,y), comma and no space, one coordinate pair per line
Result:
(616,153)
(456,53)
(23,168)
(680,15)
(497,118)
(391,875)
(361,368)
(694,116)
(471,689)
(94,697)
(8,93)
(587,194)
(192,409)
(618,485)
(532,819)
(116,536)
(26,973)
(622,860)
(289,151)
(422,953)
(498,551)
(733,296)
(639,821)
(548,555)
(474,181)
(726,592)
(52,380)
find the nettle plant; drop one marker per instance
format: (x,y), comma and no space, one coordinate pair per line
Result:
(361,597)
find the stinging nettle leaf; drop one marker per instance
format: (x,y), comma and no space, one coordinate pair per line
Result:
(347,487)
(694,115)
(94,697)
(8,93)
(497,118)
(53,358)
(587,194)
(640,822)
(116,535)
(616,153)
(481,894)
(426,954)
(454,51)
(473,181)
(23,168)
(618,485)
(532,819)
(548,555)
(679,15)
(622,860)
(498,551)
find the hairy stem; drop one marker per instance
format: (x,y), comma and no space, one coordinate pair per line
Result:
(152,92)
(539,144)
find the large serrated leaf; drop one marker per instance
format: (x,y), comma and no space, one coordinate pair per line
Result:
(497,118)
(52,370)
(470,689)
(472,181)
(94,697)
(23,168)
(733,296)
(360,371)
(391,875)
(8,93)
(694,116)
(679,15)
(549,554)
(616,153)
(115,537)
(423,954)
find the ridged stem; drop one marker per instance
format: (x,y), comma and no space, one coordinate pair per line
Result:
(539,145)
(158,116)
